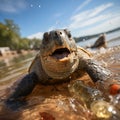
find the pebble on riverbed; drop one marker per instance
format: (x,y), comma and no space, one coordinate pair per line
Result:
(46,116)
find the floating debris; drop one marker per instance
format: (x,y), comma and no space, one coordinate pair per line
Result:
(101,109)
(95,100)
(105,110)
(84,93)
(114,89)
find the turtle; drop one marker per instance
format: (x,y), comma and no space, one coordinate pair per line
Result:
(58,60)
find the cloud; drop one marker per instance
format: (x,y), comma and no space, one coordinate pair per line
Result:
(89,17)
(51,28)
(105,26)
(12,6)
(83,5)
(38,35)
(89,22)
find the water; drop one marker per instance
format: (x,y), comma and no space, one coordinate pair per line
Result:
(14,67)
(57,102)
(113,39)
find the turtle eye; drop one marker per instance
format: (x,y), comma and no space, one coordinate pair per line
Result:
(68,33)
(45,38)
(46,35)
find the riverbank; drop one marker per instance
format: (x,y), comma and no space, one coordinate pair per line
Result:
(13,53)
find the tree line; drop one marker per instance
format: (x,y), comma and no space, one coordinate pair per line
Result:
(10,37)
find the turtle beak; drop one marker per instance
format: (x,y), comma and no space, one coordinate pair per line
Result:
(60,53)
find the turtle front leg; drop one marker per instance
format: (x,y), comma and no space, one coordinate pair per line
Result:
(96,71)
(22,89)
(101,76)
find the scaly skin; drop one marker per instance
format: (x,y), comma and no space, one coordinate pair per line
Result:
(59,59)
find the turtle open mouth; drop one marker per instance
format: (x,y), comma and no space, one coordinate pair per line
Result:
(60,53)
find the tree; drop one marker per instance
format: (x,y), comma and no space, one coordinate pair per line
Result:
(12,26)
(35,43)
(10,37)
(24,43)
(5,34)
(9,34)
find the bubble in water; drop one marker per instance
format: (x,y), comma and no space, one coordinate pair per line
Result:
(72,104)
(115,100)
(63,104)
(102,50)
(104,110)
(39,6)
(101,109)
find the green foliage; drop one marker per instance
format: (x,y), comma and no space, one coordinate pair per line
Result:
(10,37)
(24,43)
(5,36)
(35,43)
(12,26)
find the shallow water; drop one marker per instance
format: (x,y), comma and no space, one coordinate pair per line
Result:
(58,102)
(17,65)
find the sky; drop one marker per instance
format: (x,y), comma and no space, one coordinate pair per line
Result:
(81,17)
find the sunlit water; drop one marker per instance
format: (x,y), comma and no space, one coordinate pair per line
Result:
(68,101)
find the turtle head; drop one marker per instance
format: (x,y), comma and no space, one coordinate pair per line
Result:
(58,53)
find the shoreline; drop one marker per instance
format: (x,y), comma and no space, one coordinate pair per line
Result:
(12,54)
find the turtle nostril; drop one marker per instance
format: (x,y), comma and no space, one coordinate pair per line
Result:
(60,33)
(56,34)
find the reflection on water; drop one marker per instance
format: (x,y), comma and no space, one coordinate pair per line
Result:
(13,68)
(58,102)
(13,60)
